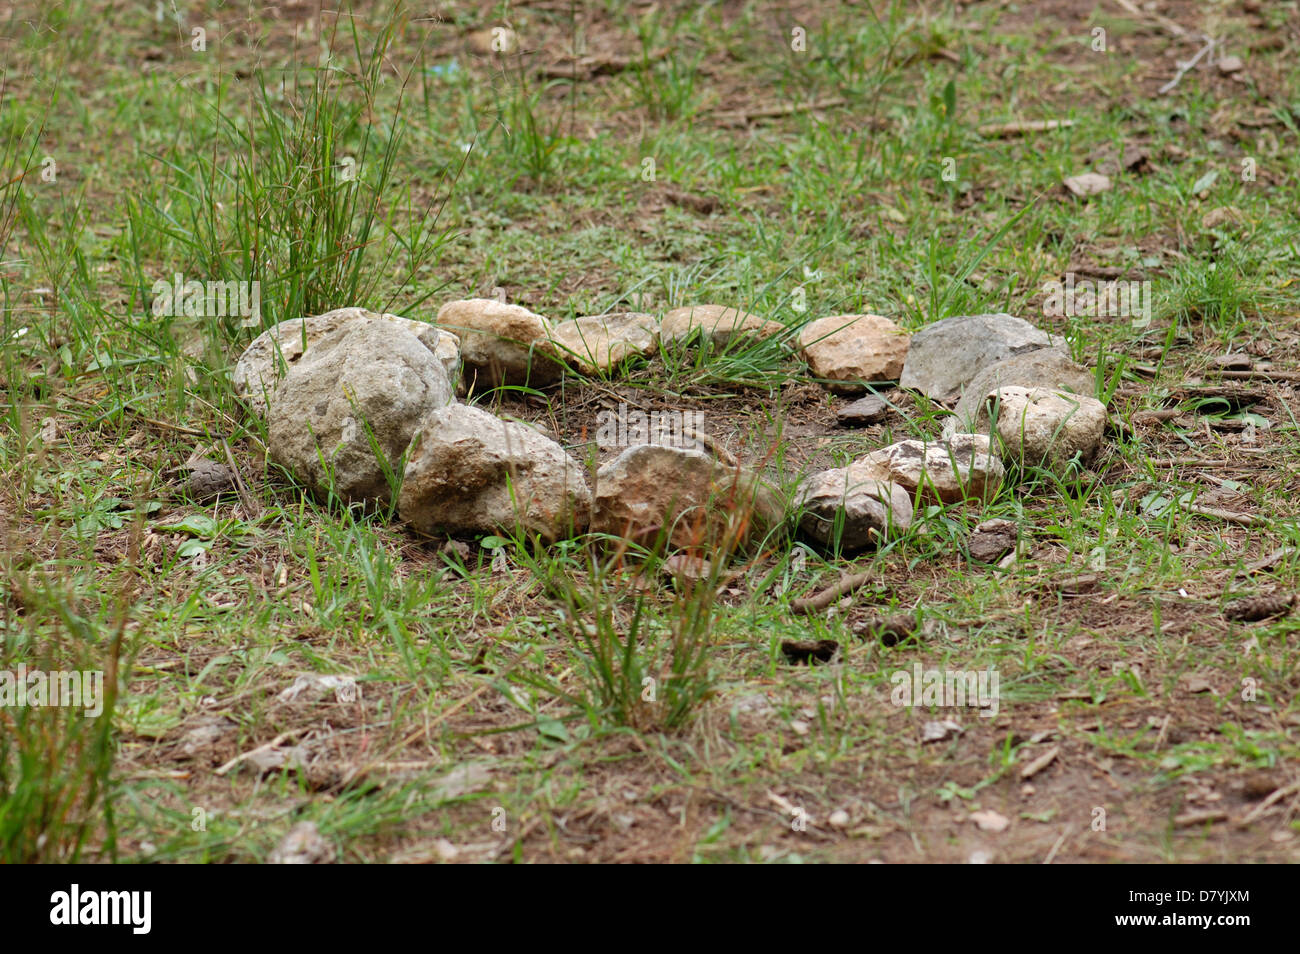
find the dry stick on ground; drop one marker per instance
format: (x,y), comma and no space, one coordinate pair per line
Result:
(1165,22)
(772,112)
(251,505)
(1198,462)
(1016,128)
(165,425)
(249,754)
(1242,519)
(1051,855)
(831,594)
(1260,375)
(1268,562)
(1187,65)
(1267,803)
(1179,31)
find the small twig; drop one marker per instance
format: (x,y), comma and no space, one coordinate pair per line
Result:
(1242,519)
(1051,855)
(1204,816)
(249,754)
(831,594)
(1195,462)
(1268,562)
(165,425)
(1185,66)
(1166,414)
(1016,128)
(1164,729)
(251,506)
(1268,803)
(773,112)
(1165,22)
(1260,375)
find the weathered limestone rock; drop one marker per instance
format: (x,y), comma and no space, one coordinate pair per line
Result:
(684,496)
(1038,427)
(270,355)
(502,344)
(1042,368)
(851,351)
(945,356)
(368,380)
(961,468)
(852,508)
(716,324)
(468,471)
(599,343)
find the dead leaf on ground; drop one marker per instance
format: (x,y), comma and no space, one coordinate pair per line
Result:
(1040,763)
(304,845)
(990,821)
(939,730)
(1087,183)
(683,566)
(313,687)
(1224,215)
(1195,684)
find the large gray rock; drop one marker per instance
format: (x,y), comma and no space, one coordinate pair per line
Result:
(851,351)
(369,379)
(599,343)
(684,496)
(502,344)
(1042,428)
(1041,368)
(851,508)
(268,358)
(961,468)
(944,357)
(470,472)
(716,324)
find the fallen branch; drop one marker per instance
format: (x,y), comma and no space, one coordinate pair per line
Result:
(1242,519)
(1268,803)
(819,601)
(1260,375)
(1268,562)
(1156,18)
(1185,66)
(586,67)
(1003,130)
(1196,462)
(274,743)
(251,506)
(773,112)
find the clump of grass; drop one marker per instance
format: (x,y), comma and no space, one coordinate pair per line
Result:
(56,760)
(663,84)
(642,664)
(531,137)
(299,195)
(1216,293)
